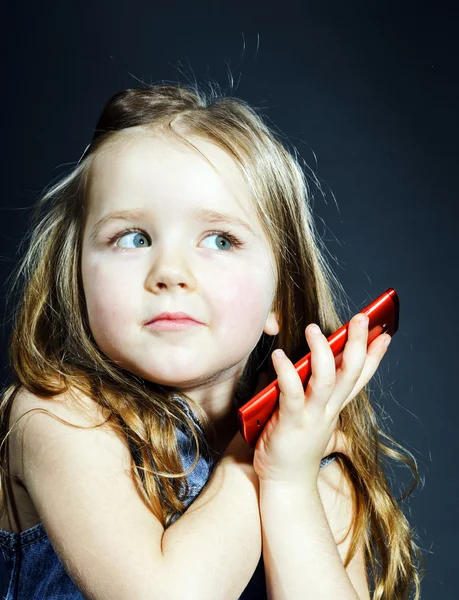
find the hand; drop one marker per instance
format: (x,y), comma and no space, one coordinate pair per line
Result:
(302,427)
(338,440)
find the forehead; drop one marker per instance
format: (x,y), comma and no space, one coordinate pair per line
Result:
(151,167)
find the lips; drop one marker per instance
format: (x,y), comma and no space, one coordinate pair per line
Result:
(176,316)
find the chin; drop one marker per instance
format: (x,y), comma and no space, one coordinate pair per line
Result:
(186,380)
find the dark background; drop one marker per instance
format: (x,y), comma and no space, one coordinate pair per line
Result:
(367,92)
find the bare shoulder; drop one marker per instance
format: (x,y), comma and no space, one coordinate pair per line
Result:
(74,405)
(74,408)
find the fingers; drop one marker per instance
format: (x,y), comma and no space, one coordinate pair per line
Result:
(375,353)
(323,372)
(352,364)
(291,397)
(333,382)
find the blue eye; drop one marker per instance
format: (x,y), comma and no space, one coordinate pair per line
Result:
(137,232)
(221,235)
(234,241)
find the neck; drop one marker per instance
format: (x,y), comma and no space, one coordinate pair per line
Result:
(226,428)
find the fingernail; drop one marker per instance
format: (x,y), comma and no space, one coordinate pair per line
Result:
(387,341)
(279,353)
(363,321)
(314,329)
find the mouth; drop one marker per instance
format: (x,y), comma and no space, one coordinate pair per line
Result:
(175,316)
(172,324)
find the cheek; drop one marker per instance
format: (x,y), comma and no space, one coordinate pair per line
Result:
(109,297)
(244,299)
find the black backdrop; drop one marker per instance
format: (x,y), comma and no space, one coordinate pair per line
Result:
(369,95)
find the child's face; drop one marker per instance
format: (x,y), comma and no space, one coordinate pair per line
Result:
(177,264)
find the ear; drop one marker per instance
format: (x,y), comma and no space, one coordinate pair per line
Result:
(272,324)
(271,328)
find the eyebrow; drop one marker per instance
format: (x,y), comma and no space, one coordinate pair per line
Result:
(199,214)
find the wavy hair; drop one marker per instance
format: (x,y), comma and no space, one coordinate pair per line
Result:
(52,351)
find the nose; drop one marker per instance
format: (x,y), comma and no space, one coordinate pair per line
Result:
(169,271)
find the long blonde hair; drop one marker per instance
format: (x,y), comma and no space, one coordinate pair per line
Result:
(52,351)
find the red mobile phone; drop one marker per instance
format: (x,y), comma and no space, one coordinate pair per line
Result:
(383,314)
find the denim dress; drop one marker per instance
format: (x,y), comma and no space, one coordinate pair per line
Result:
(30,569)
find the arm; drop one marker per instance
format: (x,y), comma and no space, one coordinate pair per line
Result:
(108,540)
(224,523)
(301,526)
(299,519)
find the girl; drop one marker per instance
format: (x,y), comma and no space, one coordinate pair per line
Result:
(123,472)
